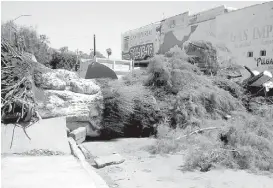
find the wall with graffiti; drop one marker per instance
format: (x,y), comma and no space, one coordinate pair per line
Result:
(173,31)
(139,43)
(170,32)
(247,33)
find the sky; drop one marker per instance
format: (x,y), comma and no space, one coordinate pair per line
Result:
(73,23)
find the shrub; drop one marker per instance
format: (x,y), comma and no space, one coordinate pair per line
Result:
(203,153)
(175,63)
(33,42)
(177,53)
(233,88)
(166,142)
(64,60)
(130,110)
(184,79)
(158,73)
(251,136)
(262,107)
(206,53)
(244,142)
(136,77)
(198,98)
(197,101)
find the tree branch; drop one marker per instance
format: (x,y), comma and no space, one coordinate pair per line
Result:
(197,131)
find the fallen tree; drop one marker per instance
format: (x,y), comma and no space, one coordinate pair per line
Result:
(17,104)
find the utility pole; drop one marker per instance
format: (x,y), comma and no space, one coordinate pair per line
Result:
(94,46)
(77,52)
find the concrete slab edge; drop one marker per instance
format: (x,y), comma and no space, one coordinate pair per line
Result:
(99,182)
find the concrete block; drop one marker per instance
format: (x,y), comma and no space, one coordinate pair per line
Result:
(108,160)
(78,134)
(91,132)
(48,134)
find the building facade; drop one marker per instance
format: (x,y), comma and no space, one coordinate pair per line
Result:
(246,32)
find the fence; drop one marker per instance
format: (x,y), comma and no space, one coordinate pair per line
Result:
(120,67)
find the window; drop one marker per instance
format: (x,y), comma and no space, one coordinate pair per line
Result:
(249,54)
(262,53)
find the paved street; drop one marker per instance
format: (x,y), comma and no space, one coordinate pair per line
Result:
(44,172)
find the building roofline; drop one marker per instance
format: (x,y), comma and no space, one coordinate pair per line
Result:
(251,6)
(225,7)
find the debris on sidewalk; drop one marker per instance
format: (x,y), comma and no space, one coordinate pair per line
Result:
(108,160)
(258,82)
(41,152)
(268,86)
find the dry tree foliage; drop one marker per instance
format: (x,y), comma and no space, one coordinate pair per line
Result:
(17,100)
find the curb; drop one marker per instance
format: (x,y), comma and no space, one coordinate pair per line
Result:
(99,182)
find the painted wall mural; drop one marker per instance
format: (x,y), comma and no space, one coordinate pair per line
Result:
(170,32)
(242,31)
(140,52)
(140,42)
(171,39)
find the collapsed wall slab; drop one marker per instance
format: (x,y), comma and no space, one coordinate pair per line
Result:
(47,134)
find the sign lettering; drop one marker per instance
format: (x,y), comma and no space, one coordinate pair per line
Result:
(141,34)
(139,52)
(255,33)
(264,61)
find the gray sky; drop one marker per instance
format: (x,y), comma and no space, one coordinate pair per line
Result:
(73,24)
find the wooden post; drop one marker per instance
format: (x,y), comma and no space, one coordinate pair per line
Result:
(114,63)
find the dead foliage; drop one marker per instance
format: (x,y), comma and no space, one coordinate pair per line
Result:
(18,105)
(212,118)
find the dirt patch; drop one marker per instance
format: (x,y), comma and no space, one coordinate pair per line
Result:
(143,170)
